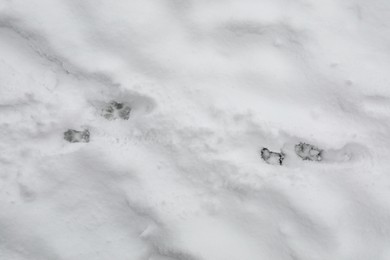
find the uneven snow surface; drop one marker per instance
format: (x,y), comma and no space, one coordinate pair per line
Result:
(209,83)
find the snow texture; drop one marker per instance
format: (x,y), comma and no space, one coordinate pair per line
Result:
(180,177)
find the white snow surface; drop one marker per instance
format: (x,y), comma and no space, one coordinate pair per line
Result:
(210,82)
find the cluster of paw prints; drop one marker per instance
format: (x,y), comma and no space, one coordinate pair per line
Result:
(114,110)
(302,150)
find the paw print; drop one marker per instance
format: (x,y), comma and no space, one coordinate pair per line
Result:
(74,136)
(115,110)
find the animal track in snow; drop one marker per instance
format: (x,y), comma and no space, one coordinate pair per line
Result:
(272,157)
(292,154)
(74,136)
(308,152)
(115,110)
(124,105)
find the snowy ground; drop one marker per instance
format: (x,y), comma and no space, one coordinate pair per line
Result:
(210,83)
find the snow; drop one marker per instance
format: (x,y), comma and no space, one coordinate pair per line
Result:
(209,84)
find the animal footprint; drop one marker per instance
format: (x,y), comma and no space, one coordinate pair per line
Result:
(74,136)
(115,110)
(272,157)
(308,152)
